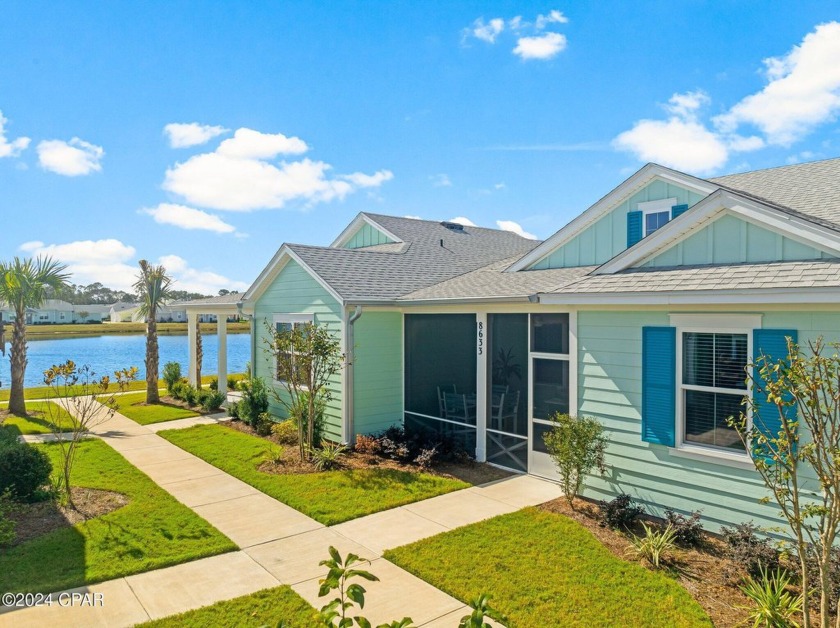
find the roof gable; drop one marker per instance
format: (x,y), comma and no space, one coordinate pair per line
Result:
(363,231)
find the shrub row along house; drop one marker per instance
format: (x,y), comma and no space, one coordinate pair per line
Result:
(642,312)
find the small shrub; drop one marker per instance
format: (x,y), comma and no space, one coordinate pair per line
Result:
(189,395)
(621,512)
(688,531)
(214,384)
(745,548)
(7,524)
(480,609)
(366,444)
(231,381)
(177,391)
(577,446)
(171,375)
(233,410)
(396,450)
(772,604)
(653,546)
(274,454)
(286,432)
(254,401)
(328,456)
(425,458)
(23,470)
(212,401)
(262,424)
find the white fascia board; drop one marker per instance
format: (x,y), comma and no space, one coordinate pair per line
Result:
(757,296)
(711,208)
(626,189)
(345,236)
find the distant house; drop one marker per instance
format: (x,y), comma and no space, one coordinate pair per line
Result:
(130,313)
(643,312)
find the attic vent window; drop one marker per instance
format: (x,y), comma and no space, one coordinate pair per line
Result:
(452,226)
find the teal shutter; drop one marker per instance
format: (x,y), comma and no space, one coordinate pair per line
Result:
(773,344)
(678,210)
(634,228)
(659,384)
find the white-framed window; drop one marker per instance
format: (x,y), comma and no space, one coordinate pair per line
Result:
(288,322)
(656,214)
(713,352)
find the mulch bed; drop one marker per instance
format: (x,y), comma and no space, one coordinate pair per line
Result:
(166,400)
(290,462)
(34,520)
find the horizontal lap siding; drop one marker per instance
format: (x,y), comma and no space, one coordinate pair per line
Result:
(294,291)
(378,374)
(610,389)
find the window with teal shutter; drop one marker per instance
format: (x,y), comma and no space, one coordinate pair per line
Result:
(678,210)
(634,227)
(773,344)
(659,380)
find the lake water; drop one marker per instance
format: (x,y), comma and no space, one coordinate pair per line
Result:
(111,352)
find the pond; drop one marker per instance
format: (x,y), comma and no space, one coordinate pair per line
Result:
(111,352)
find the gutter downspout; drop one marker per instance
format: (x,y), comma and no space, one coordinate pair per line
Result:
(349,358)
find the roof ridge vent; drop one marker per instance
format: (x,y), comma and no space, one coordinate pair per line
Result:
(452,226)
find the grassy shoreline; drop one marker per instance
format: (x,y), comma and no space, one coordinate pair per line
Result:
(94,329)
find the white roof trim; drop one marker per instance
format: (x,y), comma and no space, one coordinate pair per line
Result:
(358,222)
(711,208)
(644,176)
(270,272)
(757,296)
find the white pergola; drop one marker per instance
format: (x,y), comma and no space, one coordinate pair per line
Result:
(221,307)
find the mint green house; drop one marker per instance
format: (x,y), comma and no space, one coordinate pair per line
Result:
(642,312)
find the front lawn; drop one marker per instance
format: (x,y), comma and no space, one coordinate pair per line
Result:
(544,569)
(39,417)
(263,608)
(329,497)
(133,406)
(153,530)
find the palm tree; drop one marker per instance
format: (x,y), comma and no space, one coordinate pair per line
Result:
(153,288)
(24,284)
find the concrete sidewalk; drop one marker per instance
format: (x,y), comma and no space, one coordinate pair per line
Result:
(278,545)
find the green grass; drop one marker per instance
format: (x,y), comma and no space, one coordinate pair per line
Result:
(130,405)
(153,530)
(543,569)
(329,497)
(263,608)
(39,419)
(97,329)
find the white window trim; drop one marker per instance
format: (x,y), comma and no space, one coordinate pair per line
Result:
(718,324)
(287,318)
(655,207)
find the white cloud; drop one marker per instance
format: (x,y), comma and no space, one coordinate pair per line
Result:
(250,144)
(554,17)
(194,280)
(541,47)
(486,31)
(441,180)
(10,148)
(71,159)
(183,135)
(187,218)
(461,220)
(515,227)
(238,176)
(89,261)
(412,217)
(803,90)
(500,186)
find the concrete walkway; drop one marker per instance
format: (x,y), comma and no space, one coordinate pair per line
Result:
(278,545)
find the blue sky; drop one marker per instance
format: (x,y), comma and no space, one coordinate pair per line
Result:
(203,135)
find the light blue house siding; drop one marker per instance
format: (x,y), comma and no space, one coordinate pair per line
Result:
(378,366)
(607,237)
(367,236)
(730,240)
(294,291)
(610,389)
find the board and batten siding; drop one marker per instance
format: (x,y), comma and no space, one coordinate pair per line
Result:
(607,237)
(730,240)
(367,236)
(378,372)
(295,291)
(610,389)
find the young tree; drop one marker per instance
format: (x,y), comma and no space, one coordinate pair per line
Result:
(305,357)
(89,400)
(153,286)
(577,446)
(796,450)
(24,284)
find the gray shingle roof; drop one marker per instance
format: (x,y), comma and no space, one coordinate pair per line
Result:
(225,299)
(490,282)
(777,275)
(813,189)
(430,254)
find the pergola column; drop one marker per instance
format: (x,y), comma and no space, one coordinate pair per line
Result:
(221,326)
(192,329)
